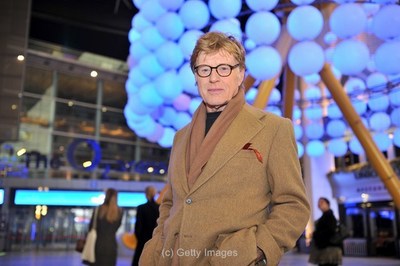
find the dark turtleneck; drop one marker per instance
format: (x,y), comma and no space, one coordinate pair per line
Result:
(210,119)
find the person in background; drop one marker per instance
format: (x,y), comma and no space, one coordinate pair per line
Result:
(146,221)
(322,251)
(235,193)
(108,221)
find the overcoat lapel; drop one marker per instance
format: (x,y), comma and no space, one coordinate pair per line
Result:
(241,131)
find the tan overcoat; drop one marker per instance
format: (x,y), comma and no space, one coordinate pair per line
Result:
(237,203)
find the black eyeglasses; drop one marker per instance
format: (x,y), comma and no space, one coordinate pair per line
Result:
(223,70)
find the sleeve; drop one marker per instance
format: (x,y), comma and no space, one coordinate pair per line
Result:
(289,209)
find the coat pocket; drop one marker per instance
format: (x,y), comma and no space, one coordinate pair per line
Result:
(238,248)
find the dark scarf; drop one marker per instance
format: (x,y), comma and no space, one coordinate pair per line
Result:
(201,147)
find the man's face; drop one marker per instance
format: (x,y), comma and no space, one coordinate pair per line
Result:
(216,90)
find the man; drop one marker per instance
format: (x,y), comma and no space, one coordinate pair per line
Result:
(235,194)
(146,221)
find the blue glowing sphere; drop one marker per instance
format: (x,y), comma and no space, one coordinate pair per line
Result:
(133,35)
(149,96)
(171,5)
(387,58)
(130,87)
(378,102)
(312,93)
(334,111)
(136,106)
(275,96)
(152,10)
(151,38)
(298,131)
(167,117)
(330,38)
(137,51)
(187,79)
(394,97)
(300,149)
(137,77)
(386,23)
(251,95)
(313,112)
(139,22)
(312,78)
(351,57)
(315,130)
(188,41)
(181,120)
(146,128)
(274,109)
(157,134)
(379,121)
(257,5)
(263,28)
(376,81)
(223,9)
(169,55)
(396,137)
(382,140)
(194,104)
(395,116)
(150,66)
(182,102)
(194,14)
(305,23)
(264,63)
(336,128)
(348,20)
(329,54)
(302,2)
(306,58)
(138,3)
(355,146)
(170,26)
(228,26)
(315,148)
(338,147)
(167,138)
(354,84)
(296,113)
(359,106)
(168,85)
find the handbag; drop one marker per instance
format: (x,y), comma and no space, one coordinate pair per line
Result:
(88,252)
(340,235)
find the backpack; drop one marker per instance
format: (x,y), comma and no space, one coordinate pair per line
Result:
(341,234)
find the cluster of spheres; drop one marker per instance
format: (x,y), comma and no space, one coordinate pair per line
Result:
(360,41)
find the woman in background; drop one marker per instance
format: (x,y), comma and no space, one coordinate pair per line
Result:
(108,221)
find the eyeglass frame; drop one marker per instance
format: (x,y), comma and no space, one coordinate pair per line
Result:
(216,69)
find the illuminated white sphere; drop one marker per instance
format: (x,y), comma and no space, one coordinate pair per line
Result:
(169,55)
(314,130)
(167,138)
(348,20)
(170,26)
(171,5)
(336,128)
(396,137)
(152,10)
(298,131)
(312,78)
(137,77)
(264,62)
(351,57)
(354,84)
(387,58)
(137,51)
(312,93)
(315,148)
(187,79)
(394,97)
(355,146)
(334,111)
(386,23)
(313,112)
(150,66)
(263,28)
(305,23)
(223,9)
(181,120)
(194,14)
(300,149)
(139,22)
(338,147)
(376,81)
(395,116)
(149,96)
(229,27)
(382,140)
(302,2)
(151,38)
(378,102)
(168,115)
(168,86)
(360,106)
(188,41)
(306,58)
(379,121)
(182,102)
(257,5)
(157,134)
(194,104)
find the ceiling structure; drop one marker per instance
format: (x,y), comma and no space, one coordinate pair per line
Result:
(97,26)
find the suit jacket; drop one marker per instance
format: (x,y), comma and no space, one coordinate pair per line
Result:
(146,221)
(237,203)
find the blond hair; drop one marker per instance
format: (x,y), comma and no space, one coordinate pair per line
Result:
(212,42)
(109,208)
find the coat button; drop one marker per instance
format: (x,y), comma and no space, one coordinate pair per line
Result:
(188,201)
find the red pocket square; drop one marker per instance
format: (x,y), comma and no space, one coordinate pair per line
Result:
(247,146)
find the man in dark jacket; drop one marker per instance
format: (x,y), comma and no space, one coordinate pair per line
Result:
(146,221)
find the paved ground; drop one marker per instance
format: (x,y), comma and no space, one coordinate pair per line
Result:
(72,258)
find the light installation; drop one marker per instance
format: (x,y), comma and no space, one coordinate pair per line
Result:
(344,52)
